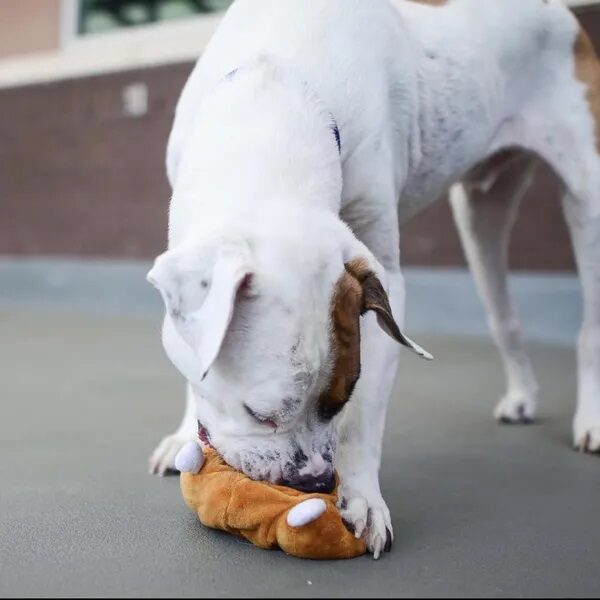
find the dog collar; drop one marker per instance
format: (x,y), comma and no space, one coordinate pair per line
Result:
(336,133)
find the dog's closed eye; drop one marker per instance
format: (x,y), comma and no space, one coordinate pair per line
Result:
(263,420)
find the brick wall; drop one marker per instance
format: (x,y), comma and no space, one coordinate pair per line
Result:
(77,176)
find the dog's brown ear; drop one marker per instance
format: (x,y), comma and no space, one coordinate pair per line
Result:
(357,291)
(376,299)
(345,318)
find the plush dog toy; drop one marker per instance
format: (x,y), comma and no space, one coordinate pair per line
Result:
(269,516)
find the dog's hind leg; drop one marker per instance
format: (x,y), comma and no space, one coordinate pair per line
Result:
(163,457)
(582,210)
(563,127)
(581,174)
(585,232)
(484,207)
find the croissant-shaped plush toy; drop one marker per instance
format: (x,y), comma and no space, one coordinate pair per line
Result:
(269,516)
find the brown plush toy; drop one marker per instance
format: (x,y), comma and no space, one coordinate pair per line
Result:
(269,516)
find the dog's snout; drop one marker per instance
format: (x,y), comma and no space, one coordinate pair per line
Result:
(323,484)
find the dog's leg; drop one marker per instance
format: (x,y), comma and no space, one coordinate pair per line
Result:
(581,174)
(163,457)
(584,223)
(484,211)
(569,140)
(578,164)
(362,422)
(361,430)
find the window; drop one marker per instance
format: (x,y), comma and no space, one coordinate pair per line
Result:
(96,16)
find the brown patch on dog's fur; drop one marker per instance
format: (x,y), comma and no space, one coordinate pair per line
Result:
(345,317)
(357,291)
(587,69)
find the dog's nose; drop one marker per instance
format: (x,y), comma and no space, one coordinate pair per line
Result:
(323,484)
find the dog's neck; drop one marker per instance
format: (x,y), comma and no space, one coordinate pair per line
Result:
(333,125)
(262,138)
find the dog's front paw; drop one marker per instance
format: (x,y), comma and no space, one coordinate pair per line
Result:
(586,433)
(163,458)
(367,516)
(515,409)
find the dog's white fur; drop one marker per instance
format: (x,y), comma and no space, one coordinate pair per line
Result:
(421,94)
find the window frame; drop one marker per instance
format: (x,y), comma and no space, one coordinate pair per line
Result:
(70,14)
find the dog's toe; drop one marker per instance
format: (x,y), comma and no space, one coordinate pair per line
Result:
(367,518)
(354,513)
(515,409)
(379,530)
(587,435)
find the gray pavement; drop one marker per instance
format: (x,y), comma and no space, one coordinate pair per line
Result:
(478,509)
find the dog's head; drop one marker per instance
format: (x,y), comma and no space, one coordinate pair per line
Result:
(270,341)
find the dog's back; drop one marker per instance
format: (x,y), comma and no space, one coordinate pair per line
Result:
(433,74)
(479,63)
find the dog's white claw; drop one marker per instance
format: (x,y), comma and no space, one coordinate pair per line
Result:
(359,529)
(190,459)
(306,512)
(377,547)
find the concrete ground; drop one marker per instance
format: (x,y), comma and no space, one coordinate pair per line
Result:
(478,509)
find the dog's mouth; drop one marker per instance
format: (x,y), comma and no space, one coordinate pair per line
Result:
(322,482)
(204,436)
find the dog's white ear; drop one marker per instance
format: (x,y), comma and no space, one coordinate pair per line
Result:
(199,292)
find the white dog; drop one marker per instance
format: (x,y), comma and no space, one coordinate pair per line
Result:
(307,132)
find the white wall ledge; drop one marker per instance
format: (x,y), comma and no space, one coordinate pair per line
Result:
(102,53)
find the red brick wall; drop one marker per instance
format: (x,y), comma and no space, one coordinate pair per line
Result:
(540,240)
(78,177)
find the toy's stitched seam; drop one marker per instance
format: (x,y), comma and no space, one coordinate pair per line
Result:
(230,491)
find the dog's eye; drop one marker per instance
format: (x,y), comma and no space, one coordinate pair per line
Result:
(260,418)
